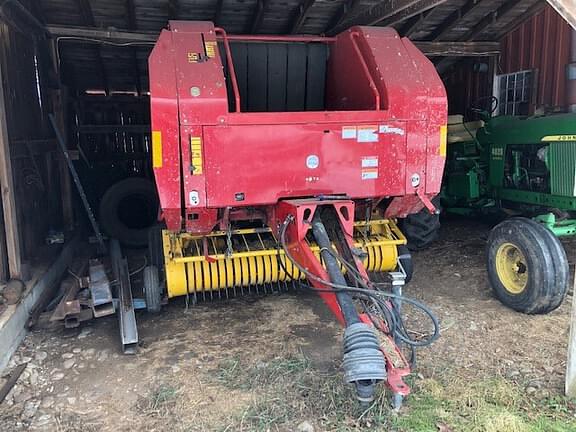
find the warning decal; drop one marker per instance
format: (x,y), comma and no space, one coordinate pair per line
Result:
(367,134)
(348,132)
(369,173)
(370,162)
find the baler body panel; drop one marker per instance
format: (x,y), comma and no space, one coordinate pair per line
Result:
(378,135)
(271,162)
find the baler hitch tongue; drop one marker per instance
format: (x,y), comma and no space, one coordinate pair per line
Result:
(364,363)
(340,278)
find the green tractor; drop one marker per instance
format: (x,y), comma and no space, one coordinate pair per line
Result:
(523,168)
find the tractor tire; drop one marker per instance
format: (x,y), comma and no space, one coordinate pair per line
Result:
(152,289)
(527,266)
(128,209)
(421,229)
(405,258)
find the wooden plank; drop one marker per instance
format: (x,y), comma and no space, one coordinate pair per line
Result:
(521,19)
(257,16)
(347,7)
(11,223)
(570,383)
(11,381)
(458,49)
(414,23)
(566,9)
(409,12)
(373,14)
(300,16)
(489,19)
(109,35)
(453,19)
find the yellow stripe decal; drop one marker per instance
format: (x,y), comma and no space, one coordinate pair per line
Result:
(443,139)
(157,149)
(196,155)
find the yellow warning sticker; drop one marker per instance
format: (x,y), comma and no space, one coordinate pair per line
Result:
(157,149)
(443,140)
(196,155)
(210,47)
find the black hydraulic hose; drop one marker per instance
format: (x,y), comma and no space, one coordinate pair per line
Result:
(394,322)
(344,299)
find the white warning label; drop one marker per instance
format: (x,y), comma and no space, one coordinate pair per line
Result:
(370,174)
(385,129)
(367,134)
(369,161)
(348,132)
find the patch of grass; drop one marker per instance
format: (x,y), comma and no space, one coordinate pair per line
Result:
(287,391)
(160,402)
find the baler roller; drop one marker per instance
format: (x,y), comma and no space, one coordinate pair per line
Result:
(251,257)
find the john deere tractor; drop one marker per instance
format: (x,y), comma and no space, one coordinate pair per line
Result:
(523,169)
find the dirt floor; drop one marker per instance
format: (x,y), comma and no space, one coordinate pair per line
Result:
(272,363)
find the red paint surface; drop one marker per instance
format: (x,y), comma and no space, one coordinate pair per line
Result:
(263,155)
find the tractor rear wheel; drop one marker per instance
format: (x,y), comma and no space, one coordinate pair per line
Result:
(527,266)
(421,229)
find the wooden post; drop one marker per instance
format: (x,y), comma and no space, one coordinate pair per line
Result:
(7,188)
(570,386)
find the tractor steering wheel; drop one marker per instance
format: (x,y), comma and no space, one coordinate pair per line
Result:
(485,105)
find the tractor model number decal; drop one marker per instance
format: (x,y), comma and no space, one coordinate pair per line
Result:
(196,155)
(497,152)
(550,138)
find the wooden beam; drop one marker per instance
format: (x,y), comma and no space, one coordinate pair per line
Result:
(218,12)
(257,16)
(374,14)
(88,18)
(489,19)
(409,12)
(300,16)
(458,49)
(453,19)
(566,9)
(521,19)
(132,25)
(347,7)
(109,35)
(173,9)
(11,223)
(414,23)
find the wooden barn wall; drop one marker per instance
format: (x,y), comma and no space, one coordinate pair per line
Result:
(31,143)
(542,43)
(469,83)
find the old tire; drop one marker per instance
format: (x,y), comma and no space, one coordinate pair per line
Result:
(405,258)
(128,209)
(152,289)
(527,266)
(421,229)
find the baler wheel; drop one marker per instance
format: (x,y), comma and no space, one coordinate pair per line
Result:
(527,266)
(152,289)
(421,229)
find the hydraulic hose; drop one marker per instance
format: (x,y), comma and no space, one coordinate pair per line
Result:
(344,299)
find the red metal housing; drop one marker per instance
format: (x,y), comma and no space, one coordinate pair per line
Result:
(219,152)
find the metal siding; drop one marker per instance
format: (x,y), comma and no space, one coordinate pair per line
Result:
(542,43)
(563,163)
